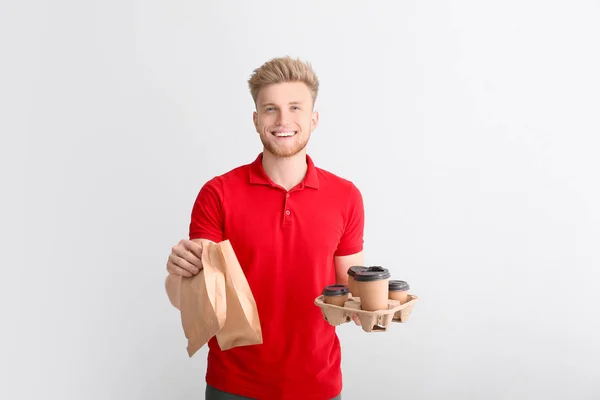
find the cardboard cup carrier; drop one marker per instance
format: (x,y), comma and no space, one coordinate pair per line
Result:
(381,302)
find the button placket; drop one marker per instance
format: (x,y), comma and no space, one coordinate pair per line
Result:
(287,218)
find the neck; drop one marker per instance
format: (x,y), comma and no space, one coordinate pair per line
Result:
(286,172)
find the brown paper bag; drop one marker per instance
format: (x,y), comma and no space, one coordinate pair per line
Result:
(203,301)
(218,302)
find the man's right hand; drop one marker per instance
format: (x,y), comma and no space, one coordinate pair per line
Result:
(185,258)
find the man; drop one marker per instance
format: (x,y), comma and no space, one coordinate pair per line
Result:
(295,229)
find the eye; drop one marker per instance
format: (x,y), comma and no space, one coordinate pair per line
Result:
(269,108)
(295,108)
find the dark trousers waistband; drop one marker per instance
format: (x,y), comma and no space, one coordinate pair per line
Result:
(215,394)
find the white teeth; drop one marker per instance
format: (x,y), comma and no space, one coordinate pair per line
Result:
(284,134)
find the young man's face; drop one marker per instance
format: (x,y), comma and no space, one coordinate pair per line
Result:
(284,118)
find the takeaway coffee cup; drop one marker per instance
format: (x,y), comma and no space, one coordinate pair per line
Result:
(352,281)
(398,290)
(336,294)
(373,288)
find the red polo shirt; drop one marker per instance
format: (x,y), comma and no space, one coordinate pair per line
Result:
(285,242)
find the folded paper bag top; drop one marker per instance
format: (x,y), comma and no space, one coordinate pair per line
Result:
(218,302)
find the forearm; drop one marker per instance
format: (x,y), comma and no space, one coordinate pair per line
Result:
(341,279)
(342,264)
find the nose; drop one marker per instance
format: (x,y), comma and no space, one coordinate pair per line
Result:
(283,118)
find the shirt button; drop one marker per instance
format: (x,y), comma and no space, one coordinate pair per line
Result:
(287,212)
(287,195)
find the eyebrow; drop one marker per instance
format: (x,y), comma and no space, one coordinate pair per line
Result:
(290,103)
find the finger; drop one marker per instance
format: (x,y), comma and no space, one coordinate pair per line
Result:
(182,252)
(183,272)
(182,263)
(176,270)
(195,248)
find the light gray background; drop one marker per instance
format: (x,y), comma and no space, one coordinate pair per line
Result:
(471,129)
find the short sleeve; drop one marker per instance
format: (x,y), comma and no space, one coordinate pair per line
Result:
(352,240)
(207,213)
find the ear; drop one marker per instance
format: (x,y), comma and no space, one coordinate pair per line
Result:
(314,122)
(255,119)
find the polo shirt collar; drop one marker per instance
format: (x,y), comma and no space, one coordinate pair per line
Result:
(258,176)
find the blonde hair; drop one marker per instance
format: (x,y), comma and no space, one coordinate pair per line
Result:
(283,69)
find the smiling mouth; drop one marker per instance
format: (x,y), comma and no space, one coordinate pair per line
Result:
(284,134)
